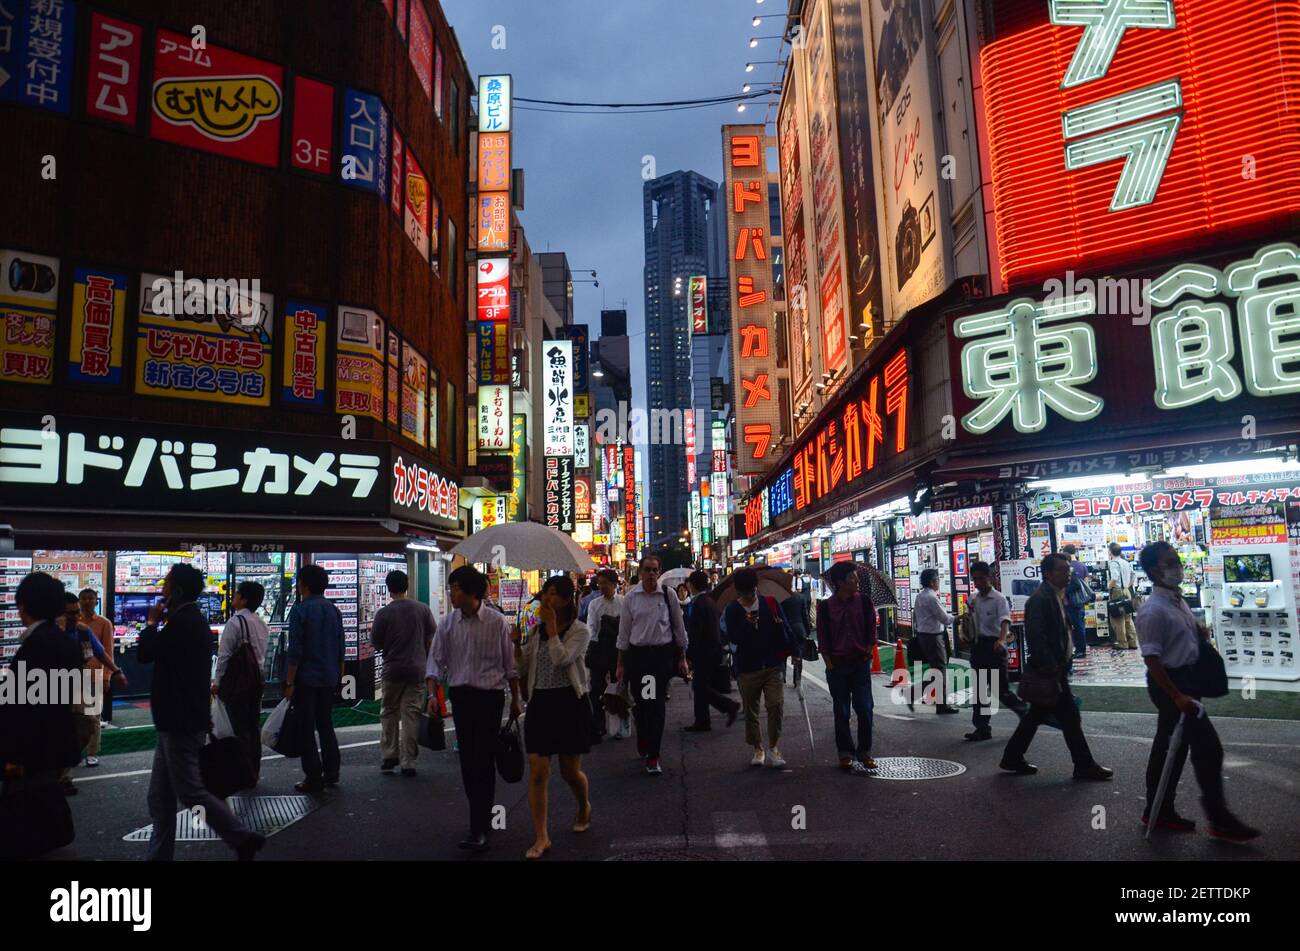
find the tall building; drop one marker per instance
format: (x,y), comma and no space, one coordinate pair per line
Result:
(557,283)
(679,223)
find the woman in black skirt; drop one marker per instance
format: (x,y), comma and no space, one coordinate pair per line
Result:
(552,669)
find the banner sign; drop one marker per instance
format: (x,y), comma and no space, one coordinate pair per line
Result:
(365,143)
(204,340)
(113,70)
(359,375)
(939,524)
(395,202)
(417,204)
(494,419)
(415,393)
(494,223)
(494,162)
(216,100)
(1248,525)
(581,358)
(629,503)
(37,52)
(313,126)
(518,504)
(582,446)
(697,295)
(421,47)
(557,387)
(791,121)
(492,343)
(421,495)
(98,319)
(29,297)
(494,104)
(494,289)
(553,492)
(305,333)
(568,493)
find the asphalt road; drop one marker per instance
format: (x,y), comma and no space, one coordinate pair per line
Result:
(711,805)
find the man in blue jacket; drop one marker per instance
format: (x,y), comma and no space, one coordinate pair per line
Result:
(315,669)
(762,642)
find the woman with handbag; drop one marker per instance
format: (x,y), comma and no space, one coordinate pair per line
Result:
(552,670)
(241,652)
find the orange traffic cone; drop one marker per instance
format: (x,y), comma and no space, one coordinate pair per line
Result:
(900,666)
(875,659)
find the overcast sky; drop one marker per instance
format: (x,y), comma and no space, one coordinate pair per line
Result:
(583,172)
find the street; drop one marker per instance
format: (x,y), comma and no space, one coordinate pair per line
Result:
(710,805)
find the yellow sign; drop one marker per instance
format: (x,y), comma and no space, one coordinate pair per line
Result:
(29,288)
(222,107)
(359,380)
(582,406)
(98,318)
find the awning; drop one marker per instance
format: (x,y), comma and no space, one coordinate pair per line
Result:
(151,532)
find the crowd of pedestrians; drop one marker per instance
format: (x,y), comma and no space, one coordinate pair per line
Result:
(578,666)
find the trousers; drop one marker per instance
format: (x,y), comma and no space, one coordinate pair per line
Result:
(176,777)
(850,685)
(477,716)
(765,683)
(650,696)
(399,722)
(985,657)
(1067,714)
(312,707)
(1201,740)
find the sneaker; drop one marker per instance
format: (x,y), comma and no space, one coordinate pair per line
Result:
(758,757)
(858,769)
(775,759)
(1173,822)
(92,761)
(652,767)
(625,731)
(106,725)
(1233,830)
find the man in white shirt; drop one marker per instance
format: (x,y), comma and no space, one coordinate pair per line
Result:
(988,659)
(929,626)
(651,645)
(606,607)
(1120,573)
(1171,644)
(244,706)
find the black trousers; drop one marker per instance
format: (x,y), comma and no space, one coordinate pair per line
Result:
(106,714)
(595,699)
(650,710)
(245,711)
(704,676)
(985,656)
(312,706)
(1067,714)
(477,716)
(1201,739)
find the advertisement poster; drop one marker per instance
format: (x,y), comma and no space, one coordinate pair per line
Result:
(858,160)
(29,297)
(365,143)
(359,363)
(305,330)
(795,232)
(417,205)
(518,504)
(422,47)
(557,389)
(113,70)
(394,380)
(492,352)
(220,354)
(313,126)
(98,319)
(216,100)
(494,162)
(398,167)
(698,295)
(827,198)
(494,419)
(415,391)
(494,223)
(909,158)
(494,289)
(36,53)
(1263,524)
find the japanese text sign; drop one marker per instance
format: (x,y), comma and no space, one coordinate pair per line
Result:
(305,334)
(113,70)
(36,52)
(365,143)
(29,296)
(98,319)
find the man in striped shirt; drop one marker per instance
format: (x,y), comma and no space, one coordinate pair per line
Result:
(473,652)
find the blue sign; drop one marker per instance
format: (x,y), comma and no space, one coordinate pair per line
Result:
(365,143)
(781,496)
(486,352)
(36,53)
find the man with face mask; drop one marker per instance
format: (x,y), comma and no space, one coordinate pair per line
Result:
(1170,637)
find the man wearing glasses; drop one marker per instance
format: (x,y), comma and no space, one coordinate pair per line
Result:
(651,645)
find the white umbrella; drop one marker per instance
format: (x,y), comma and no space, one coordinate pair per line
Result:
(1175,744)
(675,576)
(528,546)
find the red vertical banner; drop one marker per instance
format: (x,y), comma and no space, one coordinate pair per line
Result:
(399,172)
(313,125)
(422,47)
(113,73)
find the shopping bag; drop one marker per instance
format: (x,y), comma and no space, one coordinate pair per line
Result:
(432,735)
(221,725)
(510,752)
(281,732)
(271,729)
(224,767)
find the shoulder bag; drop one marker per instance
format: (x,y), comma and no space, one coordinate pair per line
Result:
(243,672)
(1040,687)
(224,766)
(1205,677)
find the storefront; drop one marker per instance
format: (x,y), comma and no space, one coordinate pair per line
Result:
(111,505)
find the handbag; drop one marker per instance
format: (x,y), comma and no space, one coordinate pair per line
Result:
(281,730)
(431,735)
(243,672)
(809,648)
(34,819)
(224,767)
(1205,677)
(510,752)
(967,630)
(1039,687)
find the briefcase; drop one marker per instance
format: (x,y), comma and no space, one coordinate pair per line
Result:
(432,735)
(34,820)
(224,767)
(510,752)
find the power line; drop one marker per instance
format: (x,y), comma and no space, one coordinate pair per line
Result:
(735,97)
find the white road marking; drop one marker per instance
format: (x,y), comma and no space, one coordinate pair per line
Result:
(741,834)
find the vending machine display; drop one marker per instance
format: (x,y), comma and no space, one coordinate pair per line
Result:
(1255,616)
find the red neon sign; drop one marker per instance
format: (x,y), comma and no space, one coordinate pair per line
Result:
(1234,168)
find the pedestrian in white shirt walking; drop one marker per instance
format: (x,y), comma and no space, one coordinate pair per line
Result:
(244,705)
(603,615)
(930,627)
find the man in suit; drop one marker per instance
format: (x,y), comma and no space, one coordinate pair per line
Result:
(38,741)
(1047,639)
(180,702)
(704,651)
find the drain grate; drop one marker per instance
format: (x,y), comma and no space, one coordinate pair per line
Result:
(264,814)
(915,767)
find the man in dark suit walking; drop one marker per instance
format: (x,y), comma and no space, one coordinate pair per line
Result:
(1047,639)
(704,651)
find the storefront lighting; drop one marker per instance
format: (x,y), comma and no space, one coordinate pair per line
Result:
(1081,483)
(1244,467)
(413,545)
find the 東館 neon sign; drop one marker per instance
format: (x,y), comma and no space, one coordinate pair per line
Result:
(1161,125)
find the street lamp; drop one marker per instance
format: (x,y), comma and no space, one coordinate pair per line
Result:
(749,67)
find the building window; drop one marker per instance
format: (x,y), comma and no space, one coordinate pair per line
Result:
(455,117)
(434,387)
(454,438)
(453,258)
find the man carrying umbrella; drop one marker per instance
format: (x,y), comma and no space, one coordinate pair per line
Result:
(1170,637)
(758,629)
(846,631)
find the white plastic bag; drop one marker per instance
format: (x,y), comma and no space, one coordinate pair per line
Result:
(271,729)
(221,725)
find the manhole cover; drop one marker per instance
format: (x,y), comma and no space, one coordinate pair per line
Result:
(664,855)
(265,814)
(915,767)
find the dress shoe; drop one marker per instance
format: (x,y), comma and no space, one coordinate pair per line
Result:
(944,708)
(388,765)
(309,786)
(474,843)
(731,714)
(1172,821)
(1233,830)
(697,728)
(408,771)
(977,735)
(250,847)
(1094,772)
(331,782)
(1020,769)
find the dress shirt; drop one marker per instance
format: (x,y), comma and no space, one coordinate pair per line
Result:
(601,607)
(928,616)
(232,635)
(645,619)
(473,651)
(990,612)
(1167,629)
(1121,573)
